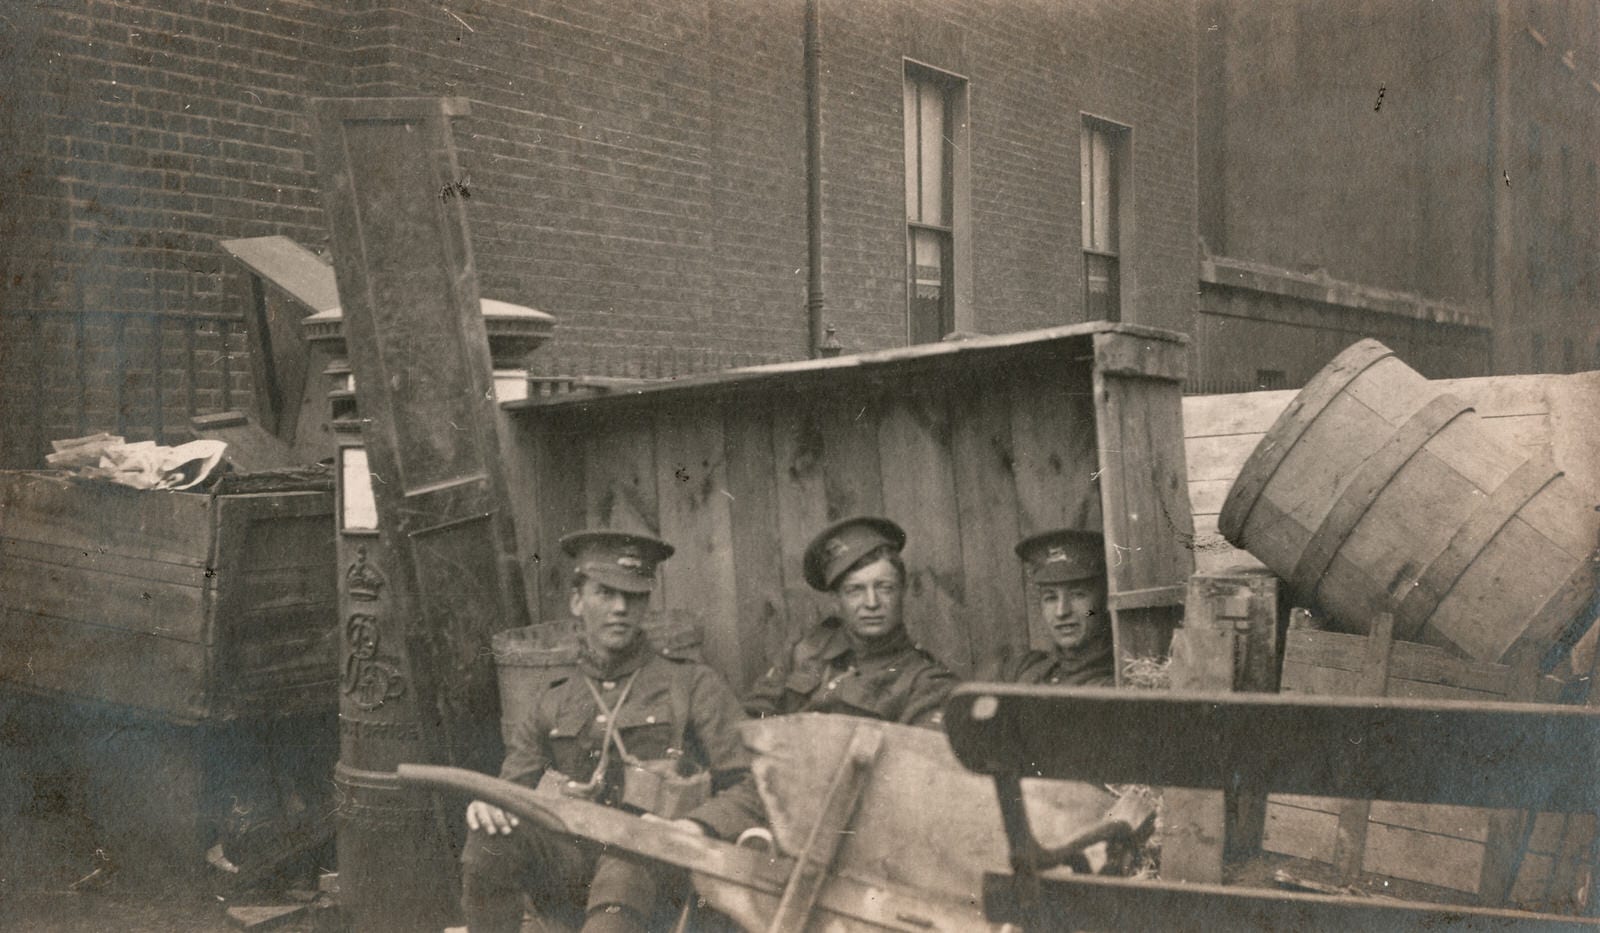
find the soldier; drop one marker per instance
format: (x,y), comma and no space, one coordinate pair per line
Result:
(627,705)
(860,661)
(1067,571)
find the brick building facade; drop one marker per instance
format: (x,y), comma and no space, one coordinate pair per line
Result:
(1422,173)
(639,168)
(636,168)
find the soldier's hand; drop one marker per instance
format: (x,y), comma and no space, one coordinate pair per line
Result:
(684,823)
(490,818)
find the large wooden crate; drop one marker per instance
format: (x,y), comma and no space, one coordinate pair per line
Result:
(968,445)
(183,607)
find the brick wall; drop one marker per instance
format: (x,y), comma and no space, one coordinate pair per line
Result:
(636,168)
(137,135)
(1032,70)
(1360,138)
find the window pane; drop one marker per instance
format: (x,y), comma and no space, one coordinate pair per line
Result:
(1086,173)
(1101,168)
(913,149)
(933,150)
(1101,288)
(930,286)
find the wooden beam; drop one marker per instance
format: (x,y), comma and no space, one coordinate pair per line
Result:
(811,868)
(1088,903)
(1429,751)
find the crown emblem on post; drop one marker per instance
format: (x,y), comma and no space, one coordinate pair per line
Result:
(363,581)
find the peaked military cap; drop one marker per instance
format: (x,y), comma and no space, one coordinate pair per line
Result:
(619,559)
(1063,555)
(843,543)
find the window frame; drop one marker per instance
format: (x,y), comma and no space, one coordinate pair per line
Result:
(956,233)
(1121,208)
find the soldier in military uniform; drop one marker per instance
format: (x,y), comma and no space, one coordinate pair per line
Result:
(859,661)
(628,703)
(1067,574)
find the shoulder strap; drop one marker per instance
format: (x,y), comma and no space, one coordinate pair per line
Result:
(678,690)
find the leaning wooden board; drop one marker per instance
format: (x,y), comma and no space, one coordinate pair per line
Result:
(1443,846)
(181,606)
(1531,414)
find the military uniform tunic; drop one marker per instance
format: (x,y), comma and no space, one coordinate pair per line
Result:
(1092,668)
(565,733)
(830,671)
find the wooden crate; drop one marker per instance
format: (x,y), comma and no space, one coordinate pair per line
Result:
(182,606)
(968,445)
(1449,847)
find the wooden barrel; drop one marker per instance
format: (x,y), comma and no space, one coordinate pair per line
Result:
(1374,492)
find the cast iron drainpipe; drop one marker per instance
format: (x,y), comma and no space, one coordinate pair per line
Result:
(813,69)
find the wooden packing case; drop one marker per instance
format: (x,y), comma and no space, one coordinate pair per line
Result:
(181,607)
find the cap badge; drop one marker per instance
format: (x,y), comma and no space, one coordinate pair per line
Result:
(1055,553)
(630,562)
(835,547)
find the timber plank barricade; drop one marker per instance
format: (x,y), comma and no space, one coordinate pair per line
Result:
(969,445)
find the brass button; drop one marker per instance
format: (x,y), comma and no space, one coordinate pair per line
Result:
(600,718)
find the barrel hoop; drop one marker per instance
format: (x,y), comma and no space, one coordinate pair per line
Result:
(1469,540)
(1561,621)
(1287,430)
(1370,480)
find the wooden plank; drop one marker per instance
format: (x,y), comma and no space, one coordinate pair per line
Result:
(1045,348)
(289,266)
(519,453)
(1387,748)
(558,452)
(1299,831)
(1442,861)
(1574,442)
(1054,457)
(802,503)
(757,546)
(919,493)
(108,600)
(696,519)
(1469,823)
(847,427)
(838,808)
(620,476)
(419,354)
(1131,355)
(1350,847)
(158,676)
(73,560)
(741,881)
(1218,458)
(1249,413)
(895,833)
(1097,903)
(1411,661)
(1149,531)
(997,604)
(1194,821)
(171,527)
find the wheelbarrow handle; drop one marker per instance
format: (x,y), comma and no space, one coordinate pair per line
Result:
(520,800)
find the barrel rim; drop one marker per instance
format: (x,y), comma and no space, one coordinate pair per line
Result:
(1290,426)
